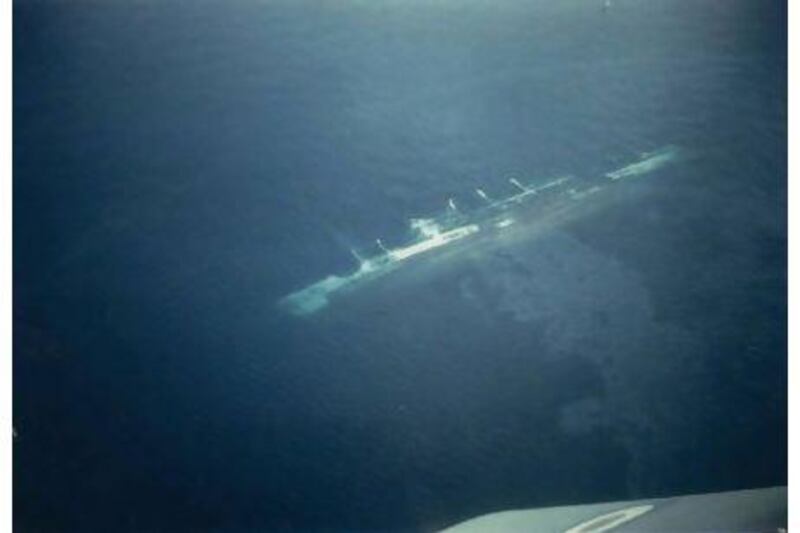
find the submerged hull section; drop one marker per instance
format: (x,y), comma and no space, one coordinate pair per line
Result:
(650,161)
(435,234)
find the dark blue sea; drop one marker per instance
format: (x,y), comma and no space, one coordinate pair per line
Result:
(180,166)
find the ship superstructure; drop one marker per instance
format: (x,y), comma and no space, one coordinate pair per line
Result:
(459,226)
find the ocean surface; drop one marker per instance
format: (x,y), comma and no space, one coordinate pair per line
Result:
(181,166)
